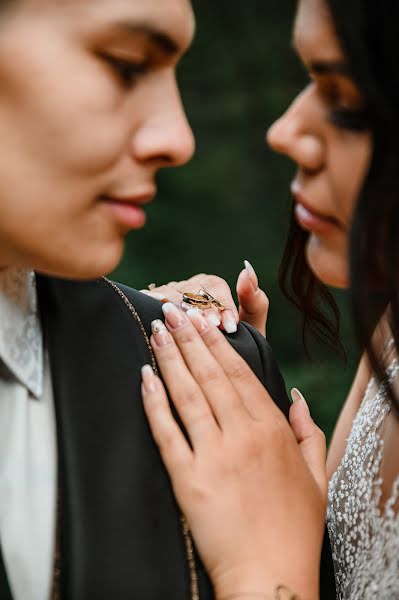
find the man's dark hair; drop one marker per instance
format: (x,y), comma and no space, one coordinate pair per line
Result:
(369,35)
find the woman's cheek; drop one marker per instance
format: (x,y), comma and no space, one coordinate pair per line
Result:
(328,259)
(353,163)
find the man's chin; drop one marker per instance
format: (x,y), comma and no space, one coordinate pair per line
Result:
(86,266)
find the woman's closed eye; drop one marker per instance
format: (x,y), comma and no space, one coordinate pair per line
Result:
(344,111)
(353,120)
(127,71)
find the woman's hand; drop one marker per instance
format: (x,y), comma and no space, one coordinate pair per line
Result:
(252,490)
(214,285)
(254,304)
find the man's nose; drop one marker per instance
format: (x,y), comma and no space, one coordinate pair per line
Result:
(165,137)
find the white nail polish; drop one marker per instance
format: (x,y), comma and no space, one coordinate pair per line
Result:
(158,326)
(230,326)
(198,320)
(157,296)
(147,371)
(252,274)
(296,396)
(214,319)
(168,307)
(149,380)
(191,312)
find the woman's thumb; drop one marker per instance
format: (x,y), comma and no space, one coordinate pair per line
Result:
(311,439)
(254,304)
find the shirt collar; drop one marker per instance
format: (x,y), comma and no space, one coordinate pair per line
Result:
(21,340)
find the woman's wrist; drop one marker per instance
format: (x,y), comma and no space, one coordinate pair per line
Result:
(280,592)
(257,582)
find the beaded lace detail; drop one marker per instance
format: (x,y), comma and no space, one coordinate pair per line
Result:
(365,535)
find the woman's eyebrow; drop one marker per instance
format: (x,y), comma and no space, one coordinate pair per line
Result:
(321,67)
(324,66)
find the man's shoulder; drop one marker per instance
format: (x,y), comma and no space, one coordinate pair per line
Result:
(147,307)
(105,309)
(94,295)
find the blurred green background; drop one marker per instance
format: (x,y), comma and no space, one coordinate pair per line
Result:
(232,202)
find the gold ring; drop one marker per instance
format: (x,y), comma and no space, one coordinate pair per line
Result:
(196,301)
(213,301)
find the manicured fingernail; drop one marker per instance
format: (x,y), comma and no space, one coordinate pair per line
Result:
(214,319)
(149,379)
(175,318)
(161,335)
(252,274)
(156,296)
(296,396)
(229,322)
(198,320)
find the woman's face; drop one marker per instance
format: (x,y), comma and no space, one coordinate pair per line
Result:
(322,132)
(89,112)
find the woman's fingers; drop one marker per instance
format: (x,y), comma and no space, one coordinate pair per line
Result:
(213,315)
(164,293)
(253,396)
(199,363)
(216,286)
(186,394)
(219,289)
(174,448)
(310,438)
(255,468)
(254,304)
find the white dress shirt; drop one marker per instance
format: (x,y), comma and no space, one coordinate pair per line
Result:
(28,455)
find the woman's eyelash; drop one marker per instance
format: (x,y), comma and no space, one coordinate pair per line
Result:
(353,120)
(127,71)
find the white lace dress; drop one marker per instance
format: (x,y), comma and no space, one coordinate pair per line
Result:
(365,535)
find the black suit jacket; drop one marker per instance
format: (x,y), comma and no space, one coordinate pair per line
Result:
(121,532)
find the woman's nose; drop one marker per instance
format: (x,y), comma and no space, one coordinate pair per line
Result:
(297,134)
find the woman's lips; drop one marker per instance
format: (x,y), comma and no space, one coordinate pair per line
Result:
(313,222)
(309,219)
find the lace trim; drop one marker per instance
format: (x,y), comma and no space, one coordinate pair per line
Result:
(364,538)
(21,347)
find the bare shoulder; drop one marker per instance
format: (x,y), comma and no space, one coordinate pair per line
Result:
(384,349)
(348,413)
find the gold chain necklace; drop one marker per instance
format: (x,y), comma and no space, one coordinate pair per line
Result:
(188,542)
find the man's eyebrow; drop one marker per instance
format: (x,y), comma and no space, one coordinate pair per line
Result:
(164,41)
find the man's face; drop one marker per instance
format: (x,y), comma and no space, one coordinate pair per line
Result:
(89,112)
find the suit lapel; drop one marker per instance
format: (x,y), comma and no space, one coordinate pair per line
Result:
(5,592)
(120,525)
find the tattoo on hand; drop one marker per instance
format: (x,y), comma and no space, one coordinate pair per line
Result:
(280,593)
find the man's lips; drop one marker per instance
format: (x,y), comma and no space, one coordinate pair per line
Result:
(127,210)
(308,218)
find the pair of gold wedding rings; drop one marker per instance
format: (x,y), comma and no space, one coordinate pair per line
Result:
(202,301)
